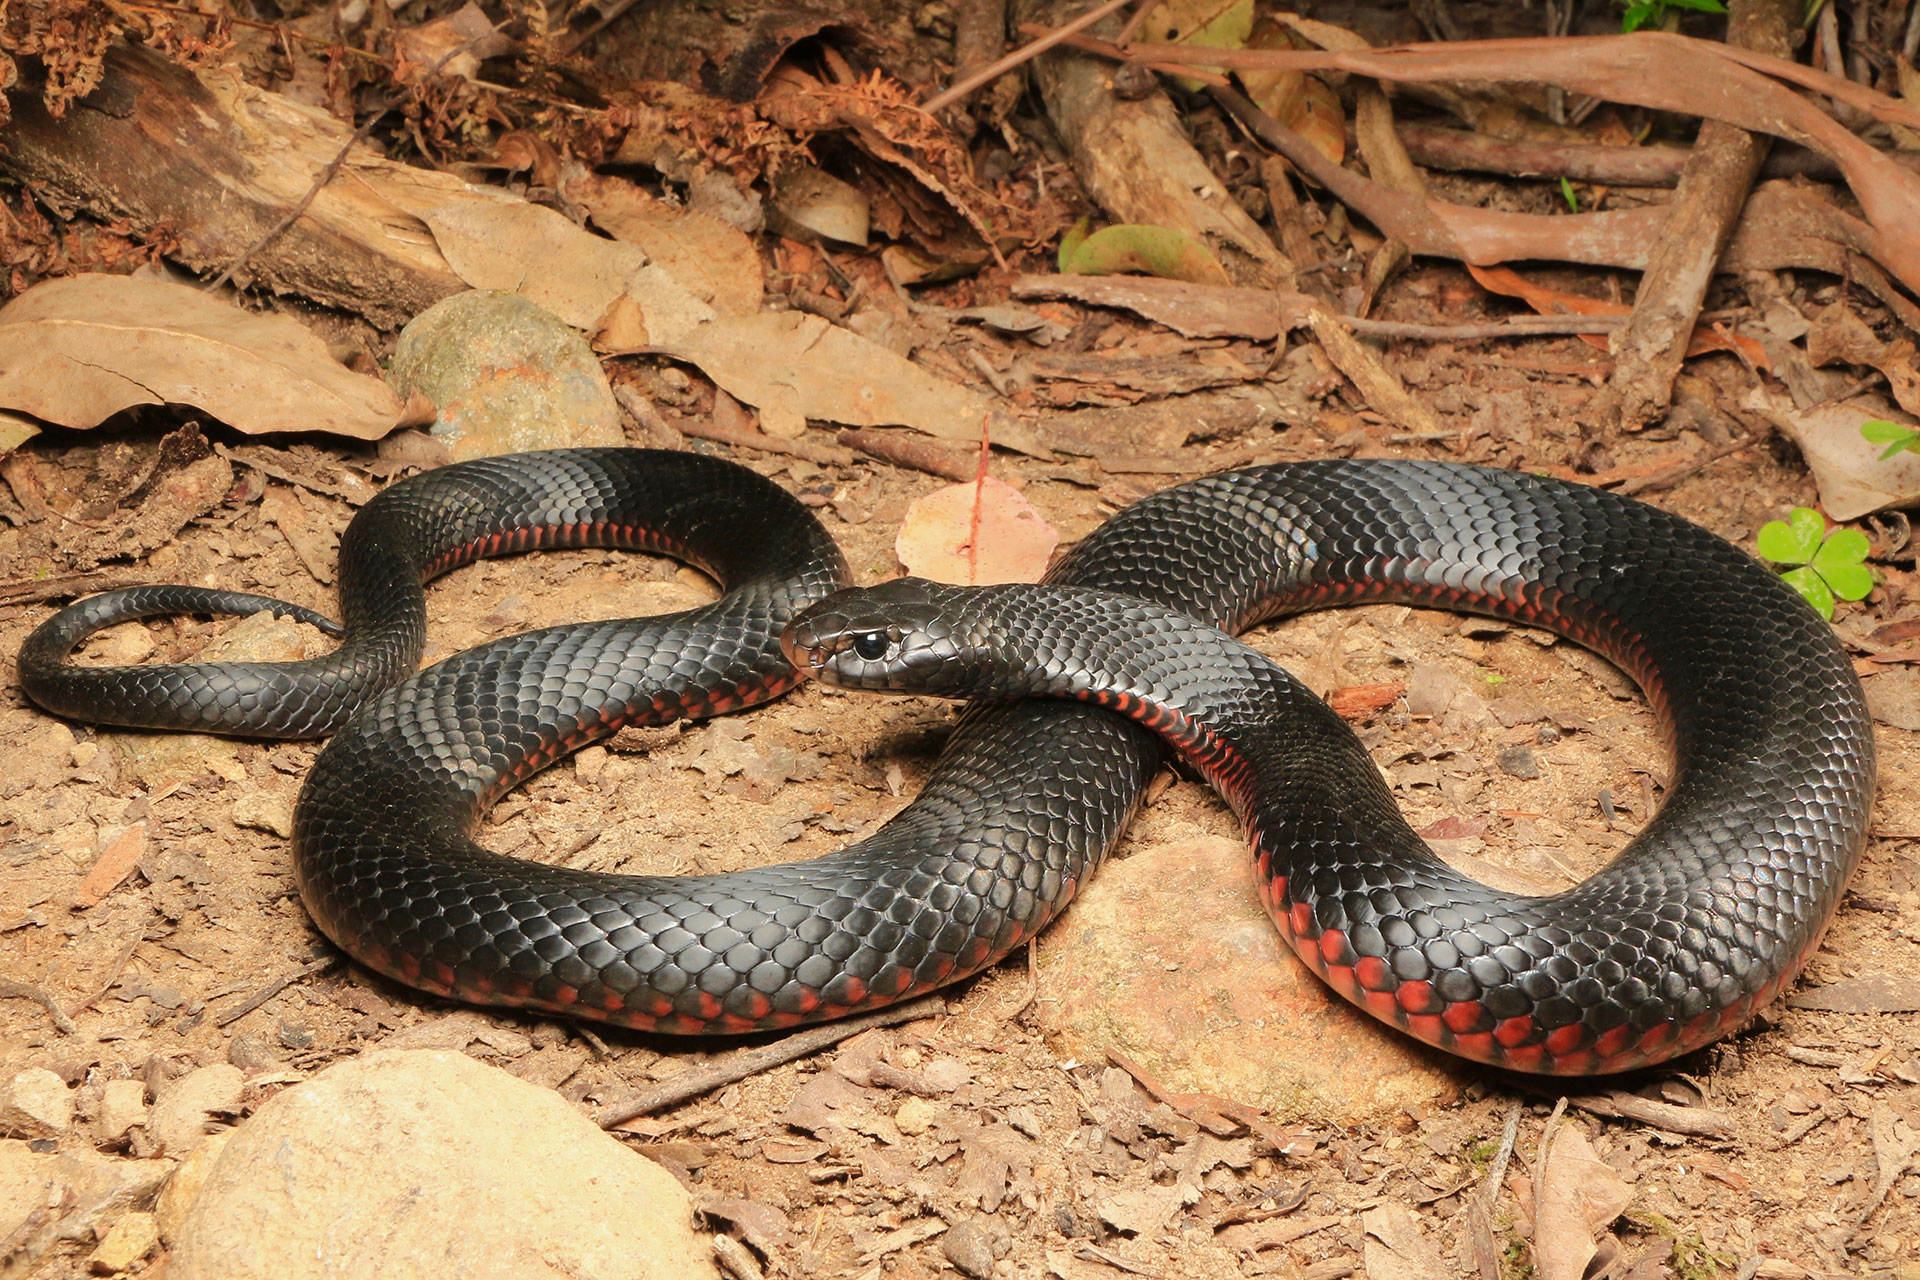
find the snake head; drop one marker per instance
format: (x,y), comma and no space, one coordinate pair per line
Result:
(899,637)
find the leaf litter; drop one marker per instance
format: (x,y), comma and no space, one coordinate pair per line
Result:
(865,1165)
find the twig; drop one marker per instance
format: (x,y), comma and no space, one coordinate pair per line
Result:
(1025,53)
(1517,327)
(62,586)
(751,1062)
(20,990)
(825,455)
(1497,1170)
(916,452)
(1700,1122)
(275,987)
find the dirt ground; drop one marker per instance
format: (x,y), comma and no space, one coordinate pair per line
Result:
(987,1148)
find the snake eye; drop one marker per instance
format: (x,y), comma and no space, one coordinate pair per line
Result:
(871,645)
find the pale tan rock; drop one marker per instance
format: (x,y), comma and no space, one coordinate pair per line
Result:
(35,1103)
(68,1195)
(183,1188)
(123,1104)
(1169,957)
(126,1242)
(264,811)
(426,1163)
(505,375)
(179,1119)
(915,1116)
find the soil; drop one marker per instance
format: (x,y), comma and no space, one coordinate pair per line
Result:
(1017,1158)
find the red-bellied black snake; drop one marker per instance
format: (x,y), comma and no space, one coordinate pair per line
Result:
(1703,918)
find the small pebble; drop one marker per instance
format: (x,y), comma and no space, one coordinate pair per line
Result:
(915,1116)
(126,1242)
(969,1246)
(1519,762)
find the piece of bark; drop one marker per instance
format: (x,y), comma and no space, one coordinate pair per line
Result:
(1134,158)
(1650,347)
(218,163)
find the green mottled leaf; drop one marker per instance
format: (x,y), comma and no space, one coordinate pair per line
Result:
(1809,585)
(1796,540)
(1154,251)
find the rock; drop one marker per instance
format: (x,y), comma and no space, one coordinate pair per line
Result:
(178,1121)
(506,375)
(915,1116)
(35,1103)
(126,1242)
(1169,957)
(183,1188)
(973,1245)
(425,1162)
(1519,761)
(264,811)
(123,1104)
(66,1196)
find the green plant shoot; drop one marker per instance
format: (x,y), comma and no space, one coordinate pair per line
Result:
(1642,13)
(1830,563)
(1891,434)
(1567,194)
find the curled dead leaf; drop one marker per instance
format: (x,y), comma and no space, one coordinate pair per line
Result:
(975,534)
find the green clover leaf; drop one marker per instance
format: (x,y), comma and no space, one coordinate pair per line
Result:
(1891,434)
(1795,541)
(1829,565)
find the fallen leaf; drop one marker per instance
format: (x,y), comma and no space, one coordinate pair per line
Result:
(456,44)
(1852,477)
(1362,702)
(717,262)
(116,863)
(500,242)
(1577,1196)
(1396,1248)
(811,202)
(1305,104)
(975,534)
(1153,251)
(78,350)
(801,365)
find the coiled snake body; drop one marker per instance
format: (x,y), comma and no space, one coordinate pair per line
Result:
(1710,910)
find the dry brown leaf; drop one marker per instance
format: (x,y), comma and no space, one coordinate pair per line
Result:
(1837,334)
(975,534)
(15,431)
(80,349)
(497,241)
(1852,477)
(1396,1248)
(716,261)
(800,365)
(456,44)
(1577,1196)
